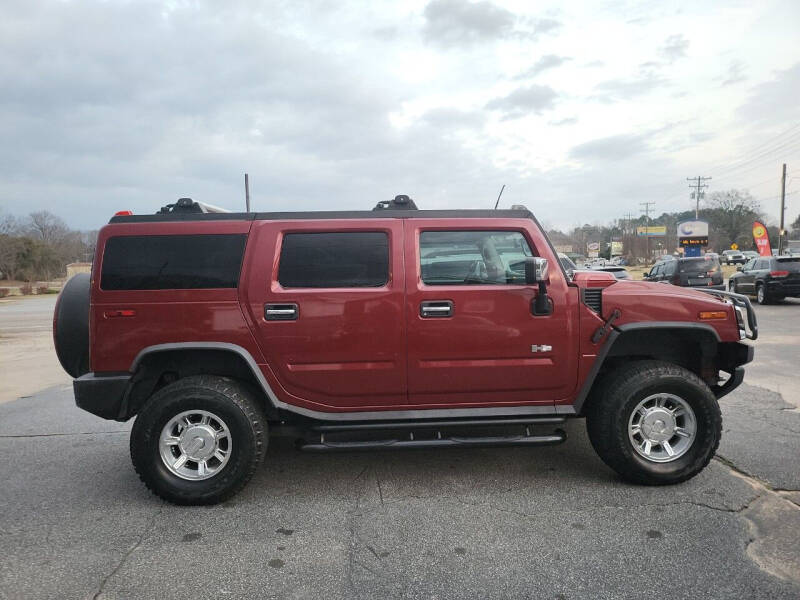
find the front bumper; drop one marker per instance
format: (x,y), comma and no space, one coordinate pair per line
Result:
(731,359)
(102,394)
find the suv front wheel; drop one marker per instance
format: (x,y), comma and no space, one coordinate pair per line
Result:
(199,440)
(655,423)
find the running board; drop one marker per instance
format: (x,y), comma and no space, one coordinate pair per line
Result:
(436,424)
(557,437)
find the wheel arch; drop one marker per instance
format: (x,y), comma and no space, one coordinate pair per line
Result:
(690,345)
(161,364)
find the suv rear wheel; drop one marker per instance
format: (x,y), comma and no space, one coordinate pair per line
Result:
(655,423)
(199,440)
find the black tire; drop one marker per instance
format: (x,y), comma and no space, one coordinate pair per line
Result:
(608,415)
(230,400)
(71,325)
(761,294)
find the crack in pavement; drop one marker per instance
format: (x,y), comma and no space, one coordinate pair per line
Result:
(147,530)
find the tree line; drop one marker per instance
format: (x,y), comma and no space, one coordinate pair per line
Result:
(730,215)
(38,247)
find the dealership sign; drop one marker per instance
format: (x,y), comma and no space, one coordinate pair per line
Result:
(693,233)
(761,238)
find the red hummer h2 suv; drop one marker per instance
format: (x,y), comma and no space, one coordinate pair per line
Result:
(390,328)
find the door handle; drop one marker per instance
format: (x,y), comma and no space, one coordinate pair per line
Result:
(281,312)
(430,309)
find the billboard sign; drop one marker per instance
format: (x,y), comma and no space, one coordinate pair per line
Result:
(761,238)
(693,229)
(593,246)
(652,231)
(616,248)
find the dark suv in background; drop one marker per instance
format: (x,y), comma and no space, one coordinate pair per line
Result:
(769,278)
(704,272)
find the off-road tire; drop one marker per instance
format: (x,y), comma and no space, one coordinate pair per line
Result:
(608,414)
(231,400)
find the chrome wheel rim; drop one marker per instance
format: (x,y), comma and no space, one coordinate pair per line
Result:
(760,293)
(662,428)
(195,445)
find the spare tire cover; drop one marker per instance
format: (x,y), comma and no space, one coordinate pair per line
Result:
(71,325)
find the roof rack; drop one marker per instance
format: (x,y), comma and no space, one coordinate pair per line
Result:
(187,205)
(401,202)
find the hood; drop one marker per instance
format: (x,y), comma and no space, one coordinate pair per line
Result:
(640,301)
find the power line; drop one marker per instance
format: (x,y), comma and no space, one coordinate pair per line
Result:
(755,151)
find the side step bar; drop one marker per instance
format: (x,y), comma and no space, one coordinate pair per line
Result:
(343,427)
(557,437)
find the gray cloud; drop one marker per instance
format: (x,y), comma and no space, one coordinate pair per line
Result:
(674,47)
(525,100)
(775,101)
(548,61)
(458,23)
(615,147)
(625,89)
(564,121)
(735,73)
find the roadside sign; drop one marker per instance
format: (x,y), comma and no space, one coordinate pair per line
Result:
(734,246)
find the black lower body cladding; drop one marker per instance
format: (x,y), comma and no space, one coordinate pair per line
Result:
(71,325)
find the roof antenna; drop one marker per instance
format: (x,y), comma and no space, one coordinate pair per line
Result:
(496,204)
(247,192)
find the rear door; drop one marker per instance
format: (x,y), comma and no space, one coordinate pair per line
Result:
(472,339)
(326,299)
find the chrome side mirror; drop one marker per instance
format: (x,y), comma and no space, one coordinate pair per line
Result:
(537,270)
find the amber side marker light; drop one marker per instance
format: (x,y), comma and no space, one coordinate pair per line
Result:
(707,315)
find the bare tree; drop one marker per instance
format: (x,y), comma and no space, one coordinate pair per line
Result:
(735,212)
(47,227)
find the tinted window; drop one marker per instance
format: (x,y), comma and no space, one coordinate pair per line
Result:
(698,265)
(334,260)
(788,264)
(171,262)
(473,257)
(669,269)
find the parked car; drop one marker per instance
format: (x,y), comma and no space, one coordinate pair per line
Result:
(768,278)
(748,254)
(703,272)
(391,328)
(733,257)
(617,272)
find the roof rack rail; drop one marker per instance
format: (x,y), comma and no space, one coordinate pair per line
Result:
(401,202)
(187,205)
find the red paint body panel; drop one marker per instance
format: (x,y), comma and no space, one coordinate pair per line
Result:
(482,354)
(368,349)
(346,350)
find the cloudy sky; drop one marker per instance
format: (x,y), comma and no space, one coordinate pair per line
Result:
(583,109)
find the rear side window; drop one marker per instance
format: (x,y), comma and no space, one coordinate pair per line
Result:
(334,260)
(699,265)
(788,264)
(172,262)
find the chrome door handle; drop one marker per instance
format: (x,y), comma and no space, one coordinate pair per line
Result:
(281,312)
(436,308)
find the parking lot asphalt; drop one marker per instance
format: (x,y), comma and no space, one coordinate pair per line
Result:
(553,522)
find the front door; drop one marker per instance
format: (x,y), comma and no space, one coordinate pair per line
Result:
(472,339)
(326,298)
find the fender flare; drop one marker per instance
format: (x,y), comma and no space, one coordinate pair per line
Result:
(602,354)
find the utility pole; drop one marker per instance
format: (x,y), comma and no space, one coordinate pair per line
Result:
(647,206)
(781,232)
(626,235)
(247,192)
(698,185)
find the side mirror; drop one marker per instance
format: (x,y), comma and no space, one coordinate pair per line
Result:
(646,274)
(537,270)
(740,268)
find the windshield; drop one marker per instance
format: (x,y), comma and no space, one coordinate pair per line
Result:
(698,265)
